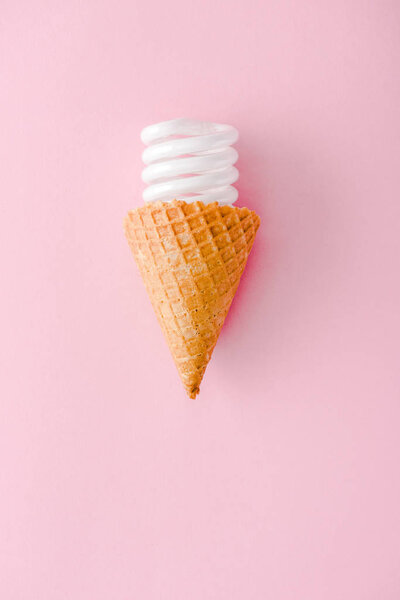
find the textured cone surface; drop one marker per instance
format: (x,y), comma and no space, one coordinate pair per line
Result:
(191,257)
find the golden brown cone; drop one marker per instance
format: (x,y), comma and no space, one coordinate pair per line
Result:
(191,257)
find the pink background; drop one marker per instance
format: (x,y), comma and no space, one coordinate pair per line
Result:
(282,480)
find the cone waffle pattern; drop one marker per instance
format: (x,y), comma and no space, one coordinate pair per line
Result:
(191,257)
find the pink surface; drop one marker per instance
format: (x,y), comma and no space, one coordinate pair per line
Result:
(282,480)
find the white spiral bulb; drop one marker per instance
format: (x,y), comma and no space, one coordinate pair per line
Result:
(190,160)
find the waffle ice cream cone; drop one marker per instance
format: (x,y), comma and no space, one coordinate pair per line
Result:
(191,257)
